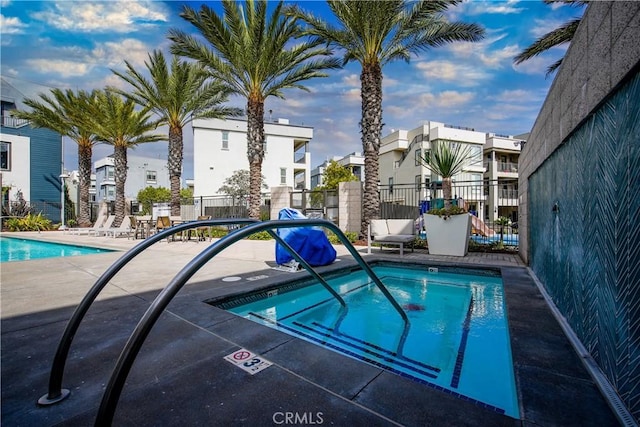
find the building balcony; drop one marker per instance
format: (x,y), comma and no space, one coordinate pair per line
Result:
(13,122)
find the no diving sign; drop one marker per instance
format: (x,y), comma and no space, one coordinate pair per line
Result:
(248,361)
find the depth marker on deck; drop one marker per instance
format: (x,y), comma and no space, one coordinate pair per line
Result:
(248,361)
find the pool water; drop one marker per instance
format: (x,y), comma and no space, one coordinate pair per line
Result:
(458,340)
(16,249)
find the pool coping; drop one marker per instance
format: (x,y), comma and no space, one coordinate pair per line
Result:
(181,376)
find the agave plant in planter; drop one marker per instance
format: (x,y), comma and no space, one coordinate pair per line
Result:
(449,228)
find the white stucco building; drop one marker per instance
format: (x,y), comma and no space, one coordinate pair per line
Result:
(501,157)
(220,149)
(401,150)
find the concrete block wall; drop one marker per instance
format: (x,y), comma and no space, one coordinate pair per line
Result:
(604,51)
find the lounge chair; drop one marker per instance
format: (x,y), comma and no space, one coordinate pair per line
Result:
(202,232)
(162,223)
(89,230)
(125,228)
(106,226)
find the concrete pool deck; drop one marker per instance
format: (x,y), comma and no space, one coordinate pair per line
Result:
(181,378)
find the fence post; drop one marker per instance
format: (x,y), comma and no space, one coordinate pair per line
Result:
(350,206)
(280,198)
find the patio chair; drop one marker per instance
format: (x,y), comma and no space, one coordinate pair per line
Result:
(106,226)
(203,232)
(162,223)
(88,230)
(124,228)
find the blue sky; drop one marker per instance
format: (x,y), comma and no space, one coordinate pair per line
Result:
(75,44)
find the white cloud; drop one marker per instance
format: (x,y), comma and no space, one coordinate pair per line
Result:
(113,54)
(111,16)
(60,66)
(463,75)
(11,25)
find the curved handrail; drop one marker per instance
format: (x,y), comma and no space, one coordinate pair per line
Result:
(106,411)
(56,393)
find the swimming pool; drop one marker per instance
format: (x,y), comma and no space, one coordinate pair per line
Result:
(458,339)
(18,249)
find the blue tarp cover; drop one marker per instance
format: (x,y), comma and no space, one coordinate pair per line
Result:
(310,242)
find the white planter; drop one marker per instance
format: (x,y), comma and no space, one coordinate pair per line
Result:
(448,236)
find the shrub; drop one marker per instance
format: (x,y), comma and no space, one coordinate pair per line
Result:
(333,239)
(29,223)
(260,235)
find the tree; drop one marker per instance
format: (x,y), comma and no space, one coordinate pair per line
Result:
(561,35)
(150,195)
(254,56)
(177,97)
(375,33)
(446,158)
(117,123)
(334,174)
(61,112)
(238,185)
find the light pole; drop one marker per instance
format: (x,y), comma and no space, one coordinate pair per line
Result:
(63,176)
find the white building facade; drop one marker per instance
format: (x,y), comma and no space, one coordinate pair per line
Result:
(142,172)
(220,149)
(399,162)
(501,157)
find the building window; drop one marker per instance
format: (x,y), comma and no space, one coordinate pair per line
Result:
(418,154)
(5,156)
(225,140)
(418,182)
(390,185)
(111,172)
(151,177)
(283,175)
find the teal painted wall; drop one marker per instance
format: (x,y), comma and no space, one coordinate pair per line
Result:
(46,166)
(587,253)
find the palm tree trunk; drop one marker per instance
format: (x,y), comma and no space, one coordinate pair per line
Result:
(371,128)
(446,192)
(175,166)
(255,153)
(120,166)
(84,172)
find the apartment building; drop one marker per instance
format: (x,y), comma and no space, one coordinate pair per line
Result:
(142,172)
(501,156)
(30,158)
(220,149)
(399,164)
(352,161)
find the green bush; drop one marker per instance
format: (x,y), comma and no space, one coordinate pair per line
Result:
(333,239)
(30,222)
(260,235)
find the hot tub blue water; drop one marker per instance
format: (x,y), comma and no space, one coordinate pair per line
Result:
(16,249)
(458,339)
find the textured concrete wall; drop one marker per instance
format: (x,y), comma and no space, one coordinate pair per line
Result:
(603,53)
(350,206)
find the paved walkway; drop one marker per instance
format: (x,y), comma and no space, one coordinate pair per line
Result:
(181,378)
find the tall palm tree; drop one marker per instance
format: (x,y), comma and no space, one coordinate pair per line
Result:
(116,122)
(562,34)
(375,33)
(177,96)
(253,54)
(60,111)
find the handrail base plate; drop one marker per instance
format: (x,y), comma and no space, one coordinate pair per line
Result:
(46,400)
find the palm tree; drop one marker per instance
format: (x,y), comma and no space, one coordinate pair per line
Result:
(375,33)
(446,159)
(563,34)
(177,97)
(254,56)
(60,112)
(116,122)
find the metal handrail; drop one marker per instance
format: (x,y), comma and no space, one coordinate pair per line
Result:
(56,393)
(130,351)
